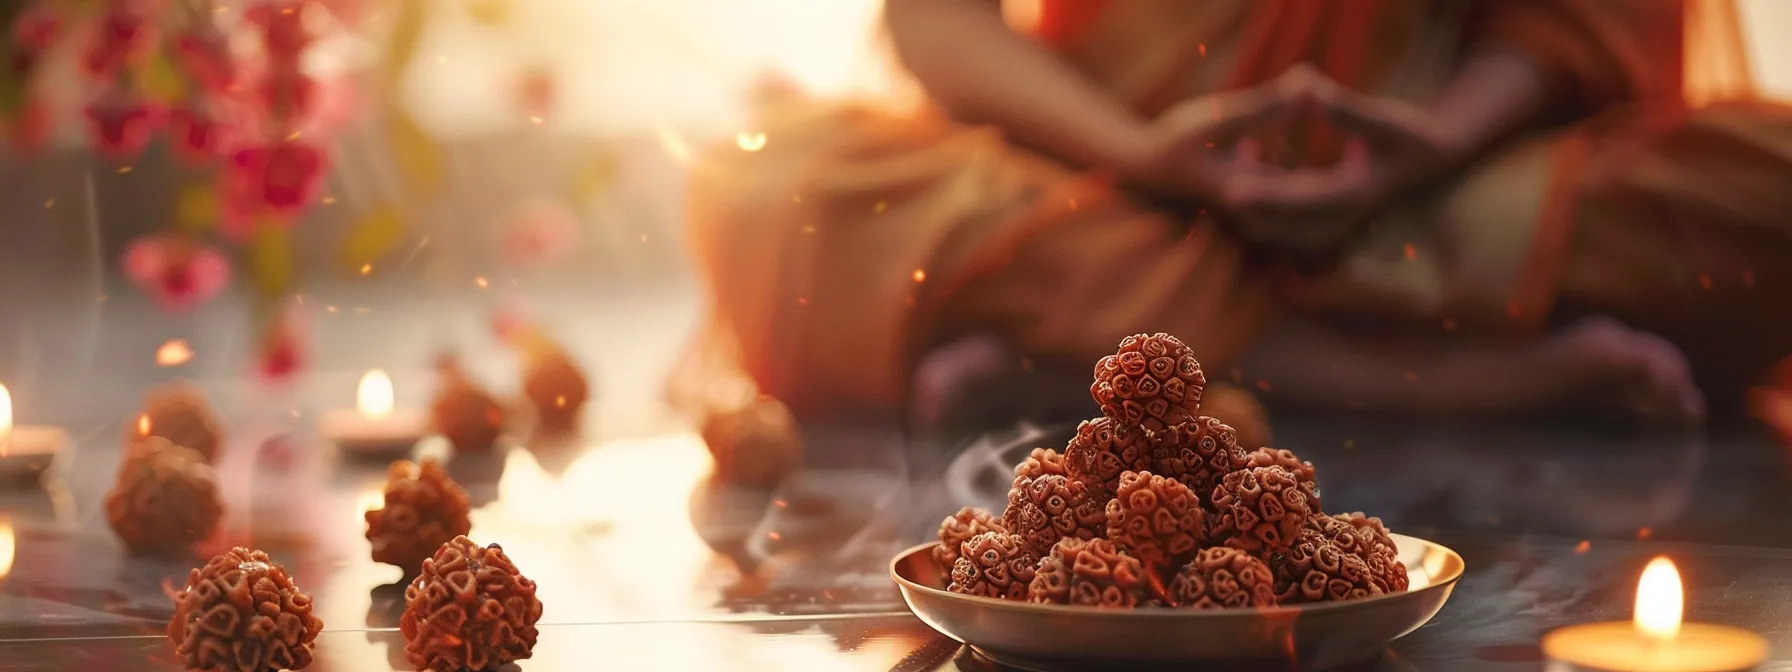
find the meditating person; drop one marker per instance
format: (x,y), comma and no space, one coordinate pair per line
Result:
(1421,206)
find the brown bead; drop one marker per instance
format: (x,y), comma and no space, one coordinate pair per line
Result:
(1041,462)
(1337,558)
(1045,509)
(756,445)
(1261,510)
(1158,520)
(423,509)
(241,612)
(468,416)
(994,564)
(1223,578)
(556,386)
(1101,451)
(1089,572)
(1199,453)
(1302,470)
(165,498)
(1151,382)
(469,609)
(180,413)
(959,528)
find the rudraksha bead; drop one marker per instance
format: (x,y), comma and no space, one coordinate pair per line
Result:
(468,416)
(1089,572)
(1223,578)
(1150,382)
(165,498)
(555,385)
(757,445)
(959,528)
(423,509)
(1048,508)
(1261,510)
(1101,451)
(994,564)
(1199,453)
(1302,470)
(180,413)
(1158,520)
(469,609)
(1041,462)
(1337,558)
(241,612)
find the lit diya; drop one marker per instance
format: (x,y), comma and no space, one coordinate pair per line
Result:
(26,450)
(1656,639)
(375,429)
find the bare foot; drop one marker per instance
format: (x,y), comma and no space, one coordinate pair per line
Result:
(1617,367)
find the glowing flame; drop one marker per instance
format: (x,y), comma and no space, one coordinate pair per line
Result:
(174,353)
(374,397)
(750,142)
(143,424)
(7,548)
(1660,600)
(5,415)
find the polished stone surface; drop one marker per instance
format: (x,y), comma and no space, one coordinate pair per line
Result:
(645,563)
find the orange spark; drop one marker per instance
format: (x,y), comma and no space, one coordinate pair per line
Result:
(920,275)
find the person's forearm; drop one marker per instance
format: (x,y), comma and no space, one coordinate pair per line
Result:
(1496,92)
(970,62)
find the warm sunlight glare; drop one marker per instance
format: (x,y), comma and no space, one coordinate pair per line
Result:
(1660,600)
(7,548)
(374,397)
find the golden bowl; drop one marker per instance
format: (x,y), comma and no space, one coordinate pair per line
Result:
(1060,637)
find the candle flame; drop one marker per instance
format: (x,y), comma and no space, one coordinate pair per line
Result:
(8,547)
(374,397)
(142,424)
(5,411)
(174,353)
(1660,600)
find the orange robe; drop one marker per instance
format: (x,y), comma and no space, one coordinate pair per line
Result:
(859,237)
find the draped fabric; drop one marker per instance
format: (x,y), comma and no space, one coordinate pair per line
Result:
(861,237)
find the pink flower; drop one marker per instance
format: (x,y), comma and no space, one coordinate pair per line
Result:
(123,36)
(283,30)
(178,272)
(121,126)
(282,353)
(198,136)
(204,55)
(538,232)
(278,181)
(288,94)
(36,28)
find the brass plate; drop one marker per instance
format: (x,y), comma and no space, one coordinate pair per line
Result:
(1052,637)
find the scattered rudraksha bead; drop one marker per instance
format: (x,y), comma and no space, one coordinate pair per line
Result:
(1260,510)
(469,609)
(468,416)
(1158,520)
(1041,462)
(180,413)
(1301,469)
(241,612)
(165,498)
(1045,509)
(1101,451)
(994,564)
(1241,410)
(959,528)
(1150,382)
(1089,572)
(756,445)
(555,385)
(423,509)
(1223,578)
(1199,453)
